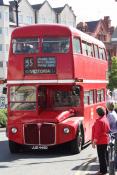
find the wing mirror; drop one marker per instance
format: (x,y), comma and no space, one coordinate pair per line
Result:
(76,90)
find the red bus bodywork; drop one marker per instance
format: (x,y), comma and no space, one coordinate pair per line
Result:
(53,124)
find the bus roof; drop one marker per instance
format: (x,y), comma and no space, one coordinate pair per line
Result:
(59,30)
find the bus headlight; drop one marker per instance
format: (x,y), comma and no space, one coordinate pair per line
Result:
(14,130)
(66,130)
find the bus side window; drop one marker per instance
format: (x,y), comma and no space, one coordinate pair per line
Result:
(84,48)
(102,53)
(96,51)
(90,50)
(86,97)
(76,45)
(98,95)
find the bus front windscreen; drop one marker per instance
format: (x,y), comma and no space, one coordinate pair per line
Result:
(22,98)
(65,98)
(52,98)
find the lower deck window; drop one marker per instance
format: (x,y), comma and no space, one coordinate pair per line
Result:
(94,96)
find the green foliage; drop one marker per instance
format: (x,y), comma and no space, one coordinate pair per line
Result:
(113,75)
(3,117)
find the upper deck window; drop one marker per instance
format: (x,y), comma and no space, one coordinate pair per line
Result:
(90,49)
(76,45)
(87,48)
(96,51)
(55,45)
(25,45)
(84,48)
(102,54)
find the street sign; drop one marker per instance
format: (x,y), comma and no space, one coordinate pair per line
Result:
(2,102)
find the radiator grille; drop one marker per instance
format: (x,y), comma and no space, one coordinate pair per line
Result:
(39,134)
(31,134)
(47,134)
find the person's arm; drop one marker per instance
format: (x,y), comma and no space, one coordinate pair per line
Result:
(93,135)
(97,132)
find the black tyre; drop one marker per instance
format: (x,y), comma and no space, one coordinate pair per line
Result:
(76,145)
(14,147)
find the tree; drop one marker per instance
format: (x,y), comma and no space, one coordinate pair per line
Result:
(113,75)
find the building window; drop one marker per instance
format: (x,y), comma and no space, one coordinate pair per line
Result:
(6,63)
(7,47)
(20,19)
(29,20)
(6,31)
(0,47)
(6,16)
(0,15)
(0,30)
(1,64)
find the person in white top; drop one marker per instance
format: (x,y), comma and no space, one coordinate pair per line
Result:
(112,118)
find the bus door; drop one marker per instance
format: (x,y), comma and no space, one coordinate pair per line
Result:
(88,112)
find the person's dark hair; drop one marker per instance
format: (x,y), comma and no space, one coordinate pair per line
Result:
(100,111)
(110,106)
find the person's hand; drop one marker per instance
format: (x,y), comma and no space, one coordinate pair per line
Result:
(93,145)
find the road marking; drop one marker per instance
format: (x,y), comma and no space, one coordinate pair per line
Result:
(88,170)
(81,170)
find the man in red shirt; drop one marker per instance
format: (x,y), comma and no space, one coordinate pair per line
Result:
(100,138)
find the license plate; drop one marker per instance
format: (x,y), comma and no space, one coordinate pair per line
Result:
(39,147)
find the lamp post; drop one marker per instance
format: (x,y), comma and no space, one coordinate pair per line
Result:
(16,3)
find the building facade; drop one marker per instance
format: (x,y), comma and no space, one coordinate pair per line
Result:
(114,42)
(4,38)
(100,29)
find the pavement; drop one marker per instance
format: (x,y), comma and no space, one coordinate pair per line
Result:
(2,129)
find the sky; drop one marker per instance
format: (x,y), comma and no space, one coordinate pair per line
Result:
(87,10)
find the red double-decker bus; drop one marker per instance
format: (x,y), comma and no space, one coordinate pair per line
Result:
(56,79)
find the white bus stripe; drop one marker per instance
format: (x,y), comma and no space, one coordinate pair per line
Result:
(53,81)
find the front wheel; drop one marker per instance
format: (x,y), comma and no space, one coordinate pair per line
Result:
(14,147)
(76,145)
